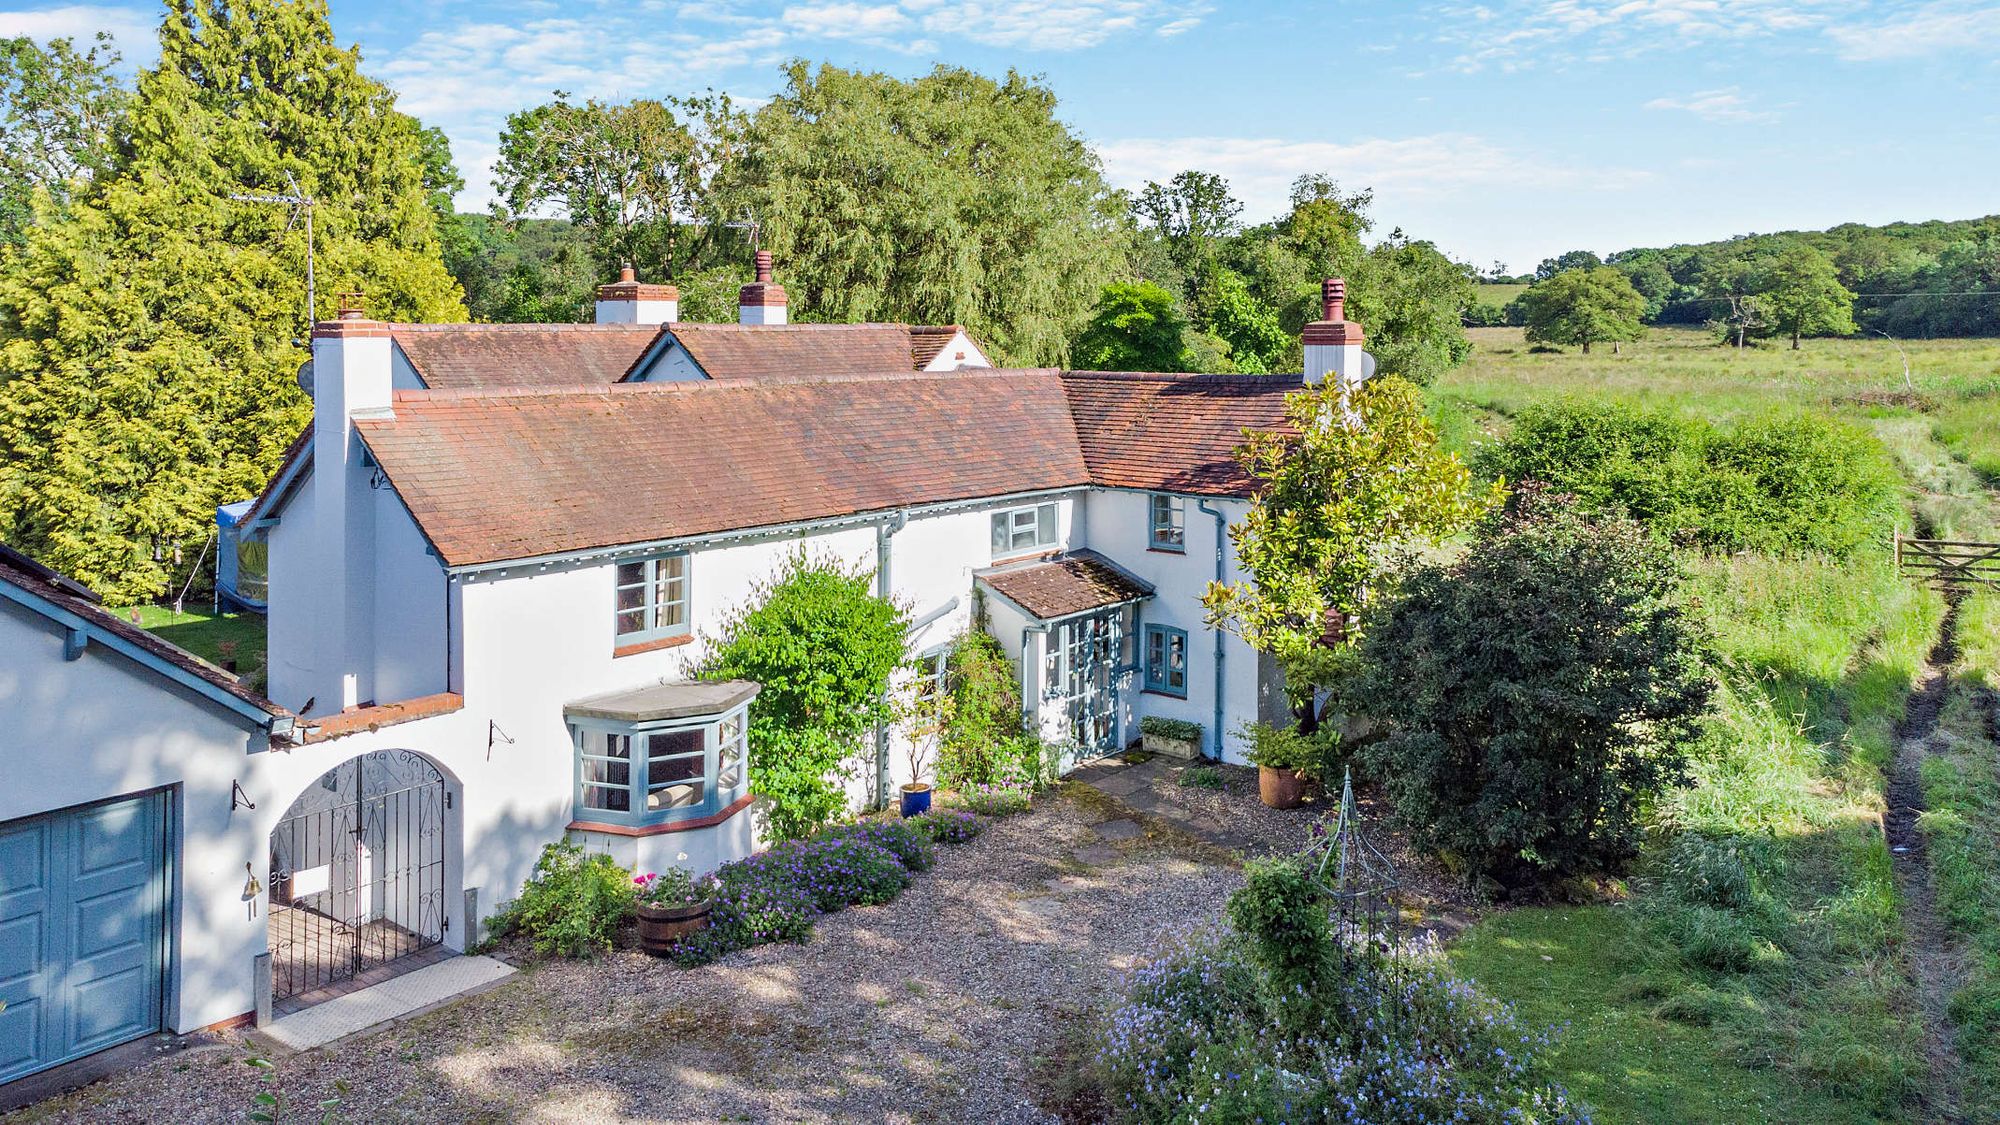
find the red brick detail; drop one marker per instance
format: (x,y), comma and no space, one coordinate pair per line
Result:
(230,1024)
(653,646)
(637,291)
(360,719)
(709,821)
(1336,332)
(347,328)
(766,294)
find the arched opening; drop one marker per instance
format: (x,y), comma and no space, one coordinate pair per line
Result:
(359,871)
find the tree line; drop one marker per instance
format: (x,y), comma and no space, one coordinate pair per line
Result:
(153,305)
(1907,280)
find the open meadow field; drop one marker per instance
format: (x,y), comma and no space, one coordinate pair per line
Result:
(1813,932)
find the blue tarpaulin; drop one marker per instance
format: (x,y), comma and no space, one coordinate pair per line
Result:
(242,562)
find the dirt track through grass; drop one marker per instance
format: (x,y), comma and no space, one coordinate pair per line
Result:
(1936,961)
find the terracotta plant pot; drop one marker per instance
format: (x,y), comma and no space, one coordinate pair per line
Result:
(661,926)
(1281,789)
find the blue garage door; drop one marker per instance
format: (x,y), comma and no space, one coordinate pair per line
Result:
(83,897)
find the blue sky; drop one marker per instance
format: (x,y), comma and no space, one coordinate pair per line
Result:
(1508,129)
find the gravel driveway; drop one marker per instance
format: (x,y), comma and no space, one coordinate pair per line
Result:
(937,1007)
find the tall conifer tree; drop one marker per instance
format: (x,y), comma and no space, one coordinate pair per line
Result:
(152,330)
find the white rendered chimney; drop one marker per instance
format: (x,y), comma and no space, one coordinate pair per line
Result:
(350,380)
(627,301)
(1333,343)
(763,300)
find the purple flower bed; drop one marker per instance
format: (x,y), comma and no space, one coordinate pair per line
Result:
(776,894)
(1204,1036)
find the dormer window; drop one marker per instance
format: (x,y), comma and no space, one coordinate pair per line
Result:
(1018,531)
(1169,530)
(663,754)
(652,600)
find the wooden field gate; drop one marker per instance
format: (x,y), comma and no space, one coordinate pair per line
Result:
(1948,562)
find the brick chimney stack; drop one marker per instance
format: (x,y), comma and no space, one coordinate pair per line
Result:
(627,301)
(1333,342)
(763,300)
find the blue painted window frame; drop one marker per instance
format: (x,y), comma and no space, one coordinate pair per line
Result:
(1006,533)
(1161,677)
(662,602)
(725,766)
(1166,523)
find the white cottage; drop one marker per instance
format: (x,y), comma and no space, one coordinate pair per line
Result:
(499,547)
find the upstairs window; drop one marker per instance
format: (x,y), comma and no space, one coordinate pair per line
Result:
(652,599)
(1168,527)
(1166,660)
(1020,530)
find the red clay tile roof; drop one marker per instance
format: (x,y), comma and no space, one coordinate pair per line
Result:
(796,351)
(29,575)
(468,356)
(1075,583)
(1172,433)
(927,340)
(496,475)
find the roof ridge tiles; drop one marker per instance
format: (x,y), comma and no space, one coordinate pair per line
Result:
(709,386)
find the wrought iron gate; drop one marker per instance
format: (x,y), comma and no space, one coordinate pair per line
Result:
(357,871)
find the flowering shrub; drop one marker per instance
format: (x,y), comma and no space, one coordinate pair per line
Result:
(777,894)
(572,904)
(949,826)
(672,887)
(1206,1037)
(998,799)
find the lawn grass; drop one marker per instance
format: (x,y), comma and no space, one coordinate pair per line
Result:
(206,634)
(1790,1003)
(1570,968)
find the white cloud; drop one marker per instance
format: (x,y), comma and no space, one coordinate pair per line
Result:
(1053,25)
(1726,105)
(1926,29)
(134,30)
(870,22)
(1555,31)
(1260,171)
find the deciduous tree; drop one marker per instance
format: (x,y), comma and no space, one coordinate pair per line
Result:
(1584,307)
(1137,327)
(153,326)
(1803,296)
(1336,500)
(61,112)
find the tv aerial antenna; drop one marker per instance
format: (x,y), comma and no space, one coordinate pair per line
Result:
(301,204)
(748,222)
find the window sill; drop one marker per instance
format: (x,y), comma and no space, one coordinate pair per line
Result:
(1163,693)
(1039,554)
(709,821)
(652,646)
(1167,550)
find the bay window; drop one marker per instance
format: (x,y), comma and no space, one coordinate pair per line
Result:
(662,754)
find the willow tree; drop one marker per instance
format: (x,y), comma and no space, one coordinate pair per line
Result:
(153,327)
(952,198)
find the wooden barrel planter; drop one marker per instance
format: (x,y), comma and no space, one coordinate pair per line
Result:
(661,927)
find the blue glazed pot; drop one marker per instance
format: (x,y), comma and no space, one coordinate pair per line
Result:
(916,801)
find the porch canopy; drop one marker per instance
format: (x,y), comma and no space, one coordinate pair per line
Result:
(1080,582)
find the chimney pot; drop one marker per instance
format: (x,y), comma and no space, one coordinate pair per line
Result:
(625,273)
(764,266)
(1333,299)
(352,306)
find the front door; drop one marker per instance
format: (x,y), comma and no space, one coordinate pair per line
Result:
(83,907)
(1084,658)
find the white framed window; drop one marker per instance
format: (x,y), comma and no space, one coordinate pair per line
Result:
(652,600)
(627,773)
(1020,530)
(1169,528)
(604,765)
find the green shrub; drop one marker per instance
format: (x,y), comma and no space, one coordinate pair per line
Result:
(1284,748)
(1284,916)
(996,800)
(980,744)
(1180,730)
(1201,777)
(572,904)
(904,839)
(1537,693)
(1785,481)
(823,646)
